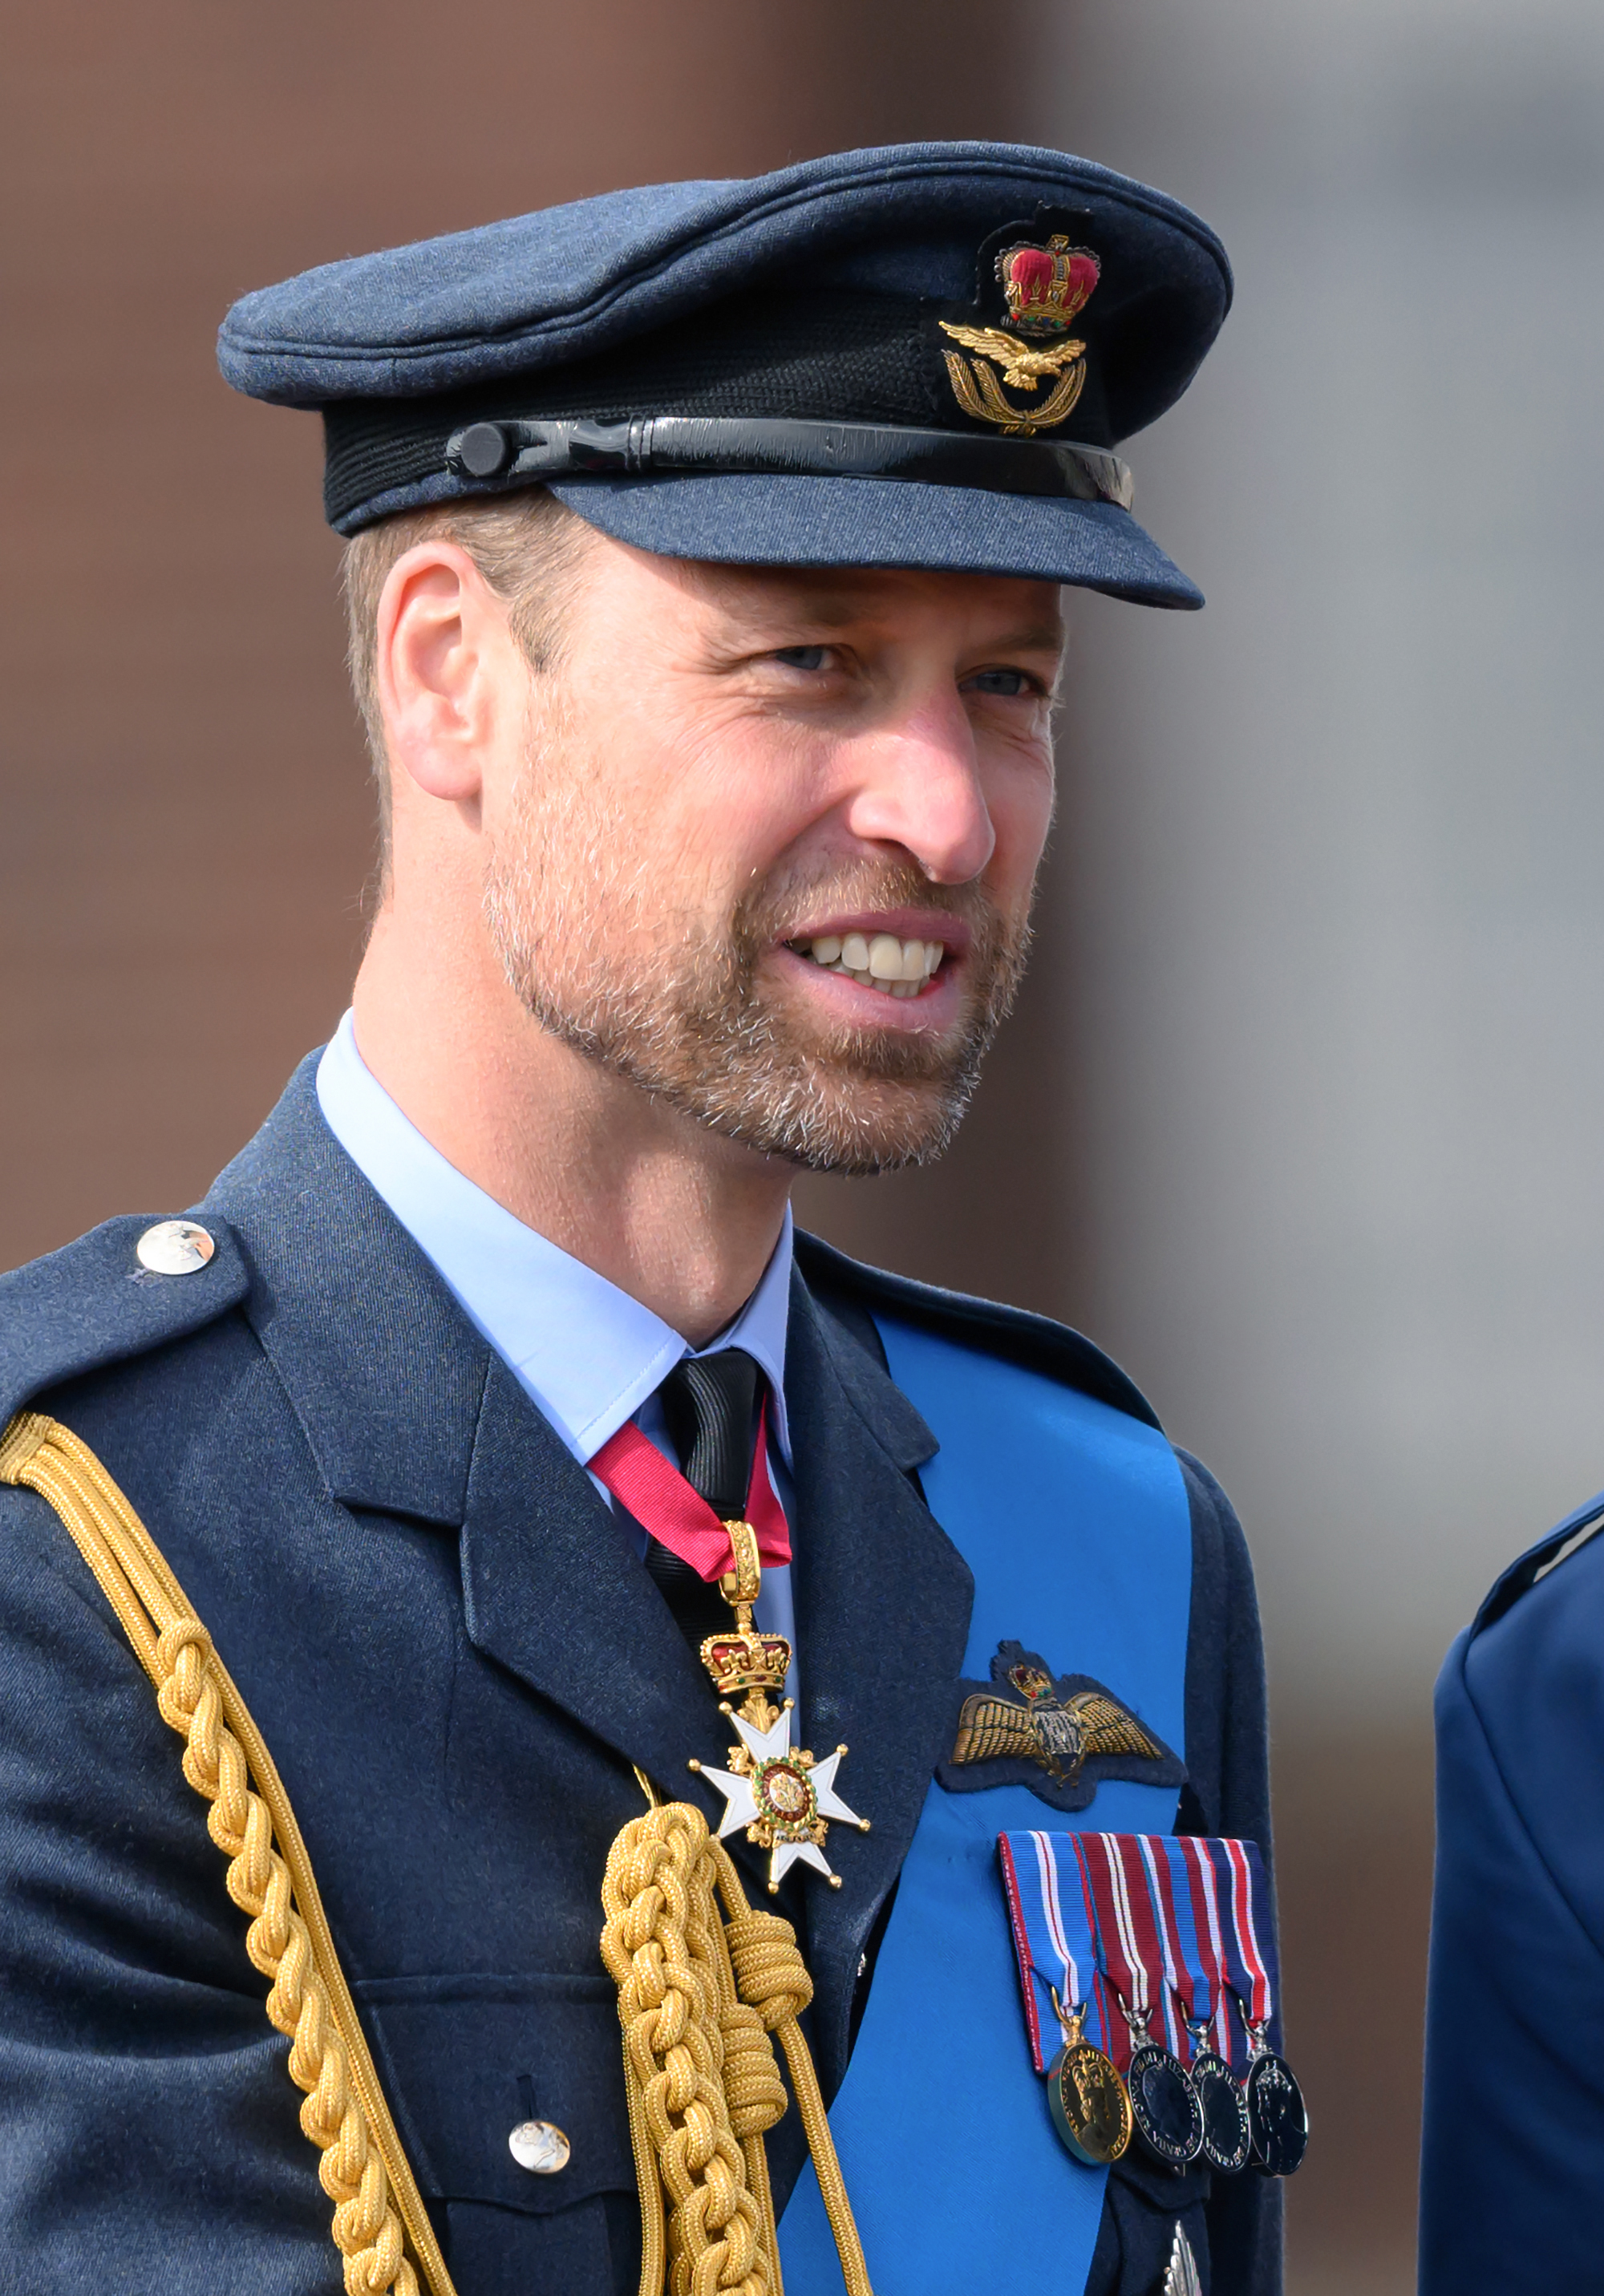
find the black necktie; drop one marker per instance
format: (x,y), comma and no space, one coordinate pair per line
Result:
(709,1402)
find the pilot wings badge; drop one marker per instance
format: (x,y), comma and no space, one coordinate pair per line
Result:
(1060,1736)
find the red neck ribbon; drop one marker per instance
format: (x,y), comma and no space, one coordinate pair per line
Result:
(665,1503)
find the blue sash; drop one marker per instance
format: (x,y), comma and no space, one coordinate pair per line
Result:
(1074,1519)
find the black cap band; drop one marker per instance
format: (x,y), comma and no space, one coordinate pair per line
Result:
(514,452)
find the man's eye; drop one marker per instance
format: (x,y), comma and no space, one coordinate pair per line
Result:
(802,657)
(1009,683)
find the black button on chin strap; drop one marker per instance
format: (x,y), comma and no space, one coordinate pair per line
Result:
(709,1402)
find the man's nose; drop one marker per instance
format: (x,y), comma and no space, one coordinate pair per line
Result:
(917,785)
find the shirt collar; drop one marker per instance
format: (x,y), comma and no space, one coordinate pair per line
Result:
(588,1354)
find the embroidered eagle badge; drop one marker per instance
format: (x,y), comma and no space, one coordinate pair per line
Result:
(1060,1736)
(1044,288)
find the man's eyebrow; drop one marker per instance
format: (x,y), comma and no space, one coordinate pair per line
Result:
(1032,637)
(797,609)
(804,612)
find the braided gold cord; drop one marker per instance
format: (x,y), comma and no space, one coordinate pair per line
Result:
(378,2214)
(662,1946)
(698,1999)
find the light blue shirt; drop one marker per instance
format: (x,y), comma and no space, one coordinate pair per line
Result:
(588,1355)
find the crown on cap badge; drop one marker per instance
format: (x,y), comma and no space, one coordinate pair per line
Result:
(1043,288)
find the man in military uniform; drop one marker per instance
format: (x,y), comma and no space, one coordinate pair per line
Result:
(1515,2016)
(704,554)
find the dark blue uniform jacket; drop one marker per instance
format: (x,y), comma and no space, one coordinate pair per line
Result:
(455,1657)
(1513,2185)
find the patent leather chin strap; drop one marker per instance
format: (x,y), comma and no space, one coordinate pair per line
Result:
(516,451)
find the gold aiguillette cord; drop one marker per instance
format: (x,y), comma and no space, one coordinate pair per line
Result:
(380,2226)
(700,1996)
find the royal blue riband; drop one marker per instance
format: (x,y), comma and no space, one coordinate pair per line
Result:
(1074,1519)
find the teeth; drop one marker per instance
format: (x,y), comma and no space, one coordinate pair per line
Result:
(898,968)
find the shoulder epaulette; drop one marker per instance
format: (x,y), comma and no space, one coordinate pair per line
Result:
(1537,1562)
(92,1304)
(1014,1333)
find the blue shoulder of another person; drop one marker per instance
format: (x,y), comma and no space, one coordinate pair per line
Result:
(92,1305)
(1514,2015)
(1013,1334)
(1529,1671)
(1528,1570)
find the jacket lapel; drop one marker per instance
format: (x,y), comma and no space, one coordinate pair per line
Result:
(883,1602)
(408,1411)
(555,1590)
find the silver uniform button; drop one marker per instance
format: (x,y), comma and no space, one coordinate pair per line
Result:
(539,2146)
(174,1248)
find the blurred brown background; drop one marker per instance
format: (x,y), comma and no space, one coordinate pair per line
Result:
(1297,1116)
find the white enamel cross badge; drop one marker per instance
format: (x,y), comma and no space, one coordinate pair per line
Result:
(780,1795)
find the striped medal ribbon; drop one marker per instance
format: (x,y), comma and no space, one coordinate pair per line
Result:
(1163,2104)
(1192,1952)
(1278,2123)
(1052,1923)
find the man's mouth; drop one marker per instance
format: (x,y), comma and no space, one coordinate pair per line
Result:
(897,968)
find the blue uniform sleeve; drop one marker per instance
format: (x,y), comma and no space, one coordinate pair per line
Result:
(149,2135)
(1514,2122)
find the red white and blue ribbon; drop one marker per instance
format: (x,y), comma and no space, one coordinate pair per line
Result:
(1130,1944)
(1191,1974)
(1054,1935)
(1211,1919)
(1176,1925)
(1247,1935)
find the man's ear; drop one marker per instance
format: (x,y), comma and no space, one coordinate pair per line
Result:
(446,667)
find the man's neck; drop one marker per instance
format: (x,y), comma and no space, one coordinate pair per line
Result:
(681,1220)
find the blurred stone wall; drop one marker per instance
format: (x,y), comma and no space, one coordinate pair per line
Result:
(186,821)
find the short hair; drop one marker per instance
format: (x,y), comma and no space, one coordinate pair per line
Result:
(526,545)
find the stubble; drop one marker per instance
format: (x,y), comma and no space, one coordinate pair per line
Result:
(612,951)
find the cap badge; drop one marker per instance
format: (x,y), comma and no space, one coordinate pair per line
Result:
(1043,288)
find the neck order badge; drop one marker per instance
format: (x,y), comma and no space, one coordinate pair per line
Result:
(779,1793)
(701,2081)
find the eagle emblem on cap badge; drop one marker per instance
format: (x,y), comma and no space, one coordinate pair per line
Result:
(1059,1735)
(1043,287)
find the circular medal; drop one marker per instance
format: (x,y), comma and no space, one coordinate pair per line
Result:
(1227,2139)
(1091,2110)
(1163,2105)
(1277,2124)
